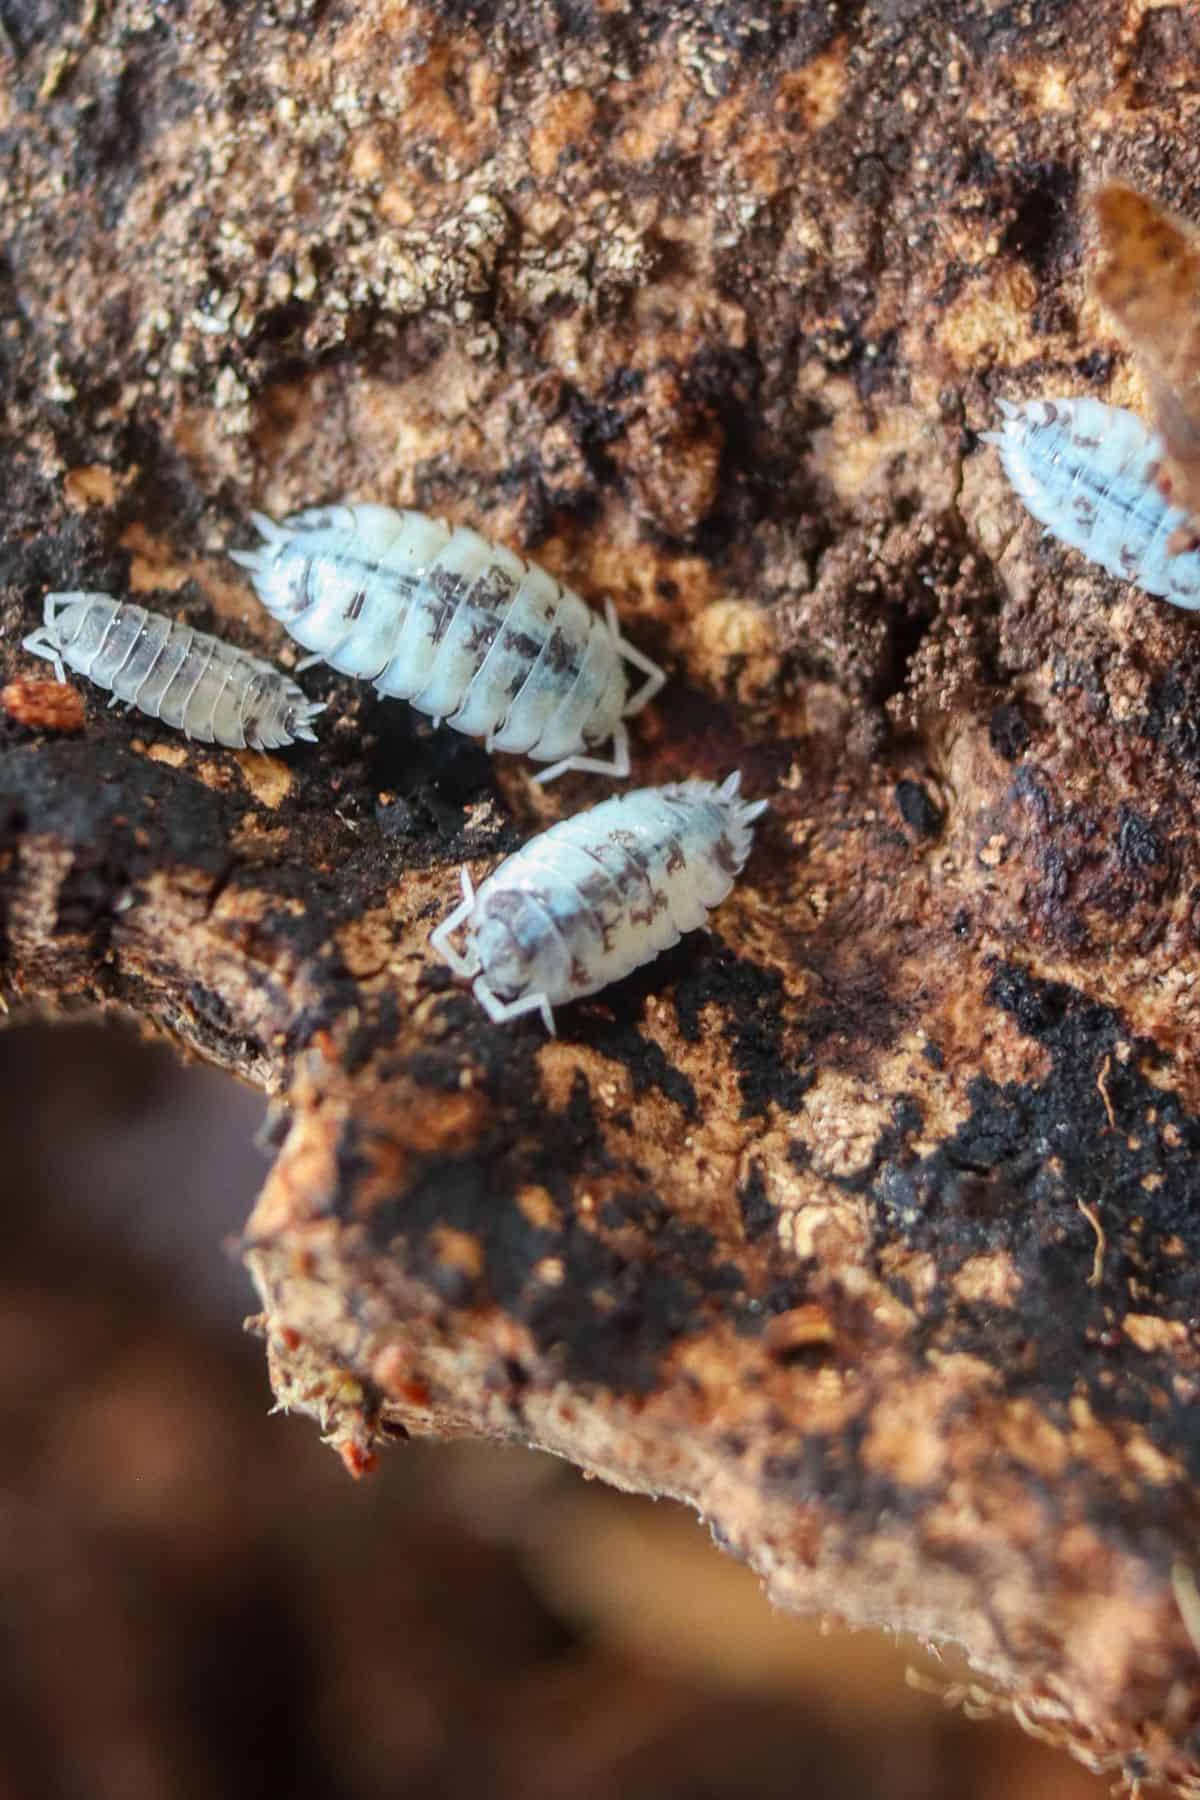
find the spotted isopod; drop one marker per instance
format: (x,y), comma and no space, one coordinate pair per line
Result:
(462,629)
(1087,472)
(208,689)
(598,895)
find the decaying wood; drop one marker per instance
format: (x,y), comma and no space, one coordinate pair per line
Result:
(869,1224)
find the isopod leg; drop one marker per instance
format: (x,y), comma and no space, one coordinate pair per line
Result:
(309,662)
(40,643)
(654,675)
(501,1011)
(593,765)
(440,936)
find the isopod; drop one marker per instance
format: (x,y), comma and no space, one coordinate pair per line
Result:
(1087,472)
(598,895)
(208,689)
(462,629)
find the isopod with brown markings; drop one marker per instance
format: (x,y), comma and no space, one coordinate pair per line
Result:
(208,689)
(462,629)
(598,895)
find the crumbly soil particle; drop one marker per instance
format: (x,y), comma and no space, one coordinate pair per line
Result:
(867,1224)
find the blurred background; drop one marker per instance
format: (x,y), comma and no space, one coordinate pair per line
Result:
(198,1602)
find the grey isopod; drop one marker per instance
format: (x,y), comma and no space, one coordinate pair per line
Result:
(208,689)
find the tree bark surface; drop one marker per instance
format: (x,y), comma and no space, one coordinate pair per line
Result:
(867,1224)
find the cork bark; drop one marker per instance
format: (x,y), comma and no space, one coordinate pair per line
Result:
(867,1224)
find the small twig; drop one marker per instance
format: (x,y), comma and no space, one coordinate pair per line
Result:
(1093,1219)
(59,65)
(1187,1599)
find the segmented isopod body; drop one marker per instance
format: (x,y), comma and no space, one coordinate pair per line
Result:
(206,688)
(598,894)
(1087,471)
(460,628)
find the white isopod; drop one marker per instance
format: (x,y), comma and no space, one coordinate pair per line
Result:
(597,895)
(208,689)
(1087,471)
(462,629)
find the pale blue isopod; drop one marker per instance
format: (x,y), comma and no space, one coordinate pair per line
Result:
(460,628)
(1087,471)
(598,895)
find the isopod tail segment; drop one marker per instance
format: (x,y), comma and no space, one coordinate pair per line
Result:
(498,1010)
(1009,411)
(256,560)
(748,810)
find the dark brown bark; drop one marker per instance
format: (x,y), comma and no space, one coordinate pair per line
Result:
(867,1225)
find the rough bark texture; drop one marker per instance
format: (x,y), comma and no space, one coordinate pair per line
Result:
(868,1225)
